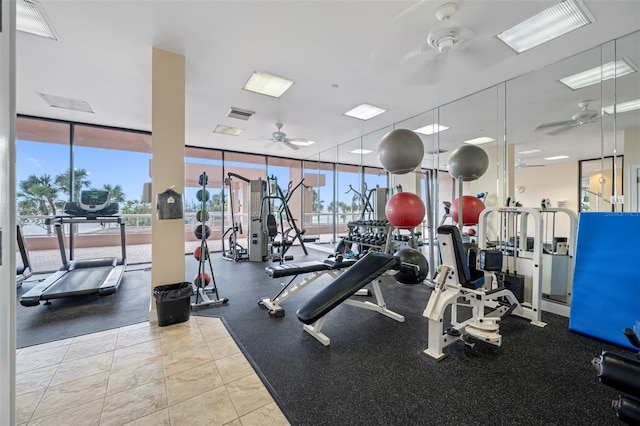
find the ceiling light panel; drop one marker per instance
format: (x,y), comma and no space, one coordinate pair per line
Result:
(623,107)
(30,18)
(479,141)
(67,103)
(547,25)
(557,157)
(361,151)
(431,129)
(267,84)
(365,112)
(227,130)
(613,69)
(301,142)
(529,151)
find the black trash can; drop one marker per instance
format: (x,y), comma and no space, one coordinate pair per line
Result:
(173,303)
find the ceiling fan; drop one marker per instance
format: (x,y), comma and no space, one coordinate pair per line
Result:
(584,116)
(522,165)
(293,143)
(447,47)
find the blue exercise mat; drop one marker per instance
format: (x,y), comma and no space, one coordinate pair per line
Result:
(606,279)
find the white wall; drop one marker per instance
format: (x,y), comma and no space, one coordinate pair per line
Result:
(555,181)
(631,157)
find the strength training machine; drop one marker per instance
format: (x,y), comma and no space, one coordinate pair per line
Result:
(458,284)
(82,277)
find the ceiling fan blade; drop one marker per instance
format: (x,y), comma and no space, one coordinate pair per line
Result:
(402,37)
(288,143)
(561,129)
(555,124)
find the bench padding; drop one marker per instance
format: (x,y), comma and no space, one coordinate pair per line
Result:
(365,270)
(289,269)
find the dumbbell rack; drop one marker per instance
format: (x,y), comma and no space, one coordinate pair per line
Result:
(202,287)
(370,234)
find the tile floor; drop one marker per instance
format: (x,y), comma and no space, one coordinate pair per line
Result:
(191,373)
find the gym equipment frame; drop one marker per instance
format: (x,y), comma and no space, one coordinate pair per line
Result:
(317,269)
(456,287)
(80,277)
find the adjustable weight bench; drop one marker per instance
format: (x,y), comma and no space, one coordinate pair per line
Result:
(366,270)
(318,269)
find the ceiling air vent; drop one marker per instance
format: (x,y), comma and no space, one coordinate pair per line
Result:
(240,114)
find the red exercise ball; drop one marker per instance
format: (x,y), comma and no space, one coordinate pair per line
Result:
(471,208)
(405,210)
(201,280)
(198,252)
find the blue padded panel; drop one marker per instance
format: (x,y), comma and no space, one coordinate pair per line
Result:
(606,279)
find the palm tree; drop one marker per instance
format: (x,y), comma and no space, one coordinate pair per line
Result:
(217,201)
(318,204)
(63,181)
(39,196)
(115,192)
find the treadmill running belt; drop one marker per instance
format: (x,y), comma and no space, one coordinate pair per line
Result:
(77,282)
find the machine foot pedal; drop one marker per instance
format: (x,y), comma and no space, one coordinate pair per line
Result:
(453,332)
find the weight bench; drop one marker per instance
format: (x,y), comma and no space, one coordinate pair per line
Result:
(366,270)
(318,269)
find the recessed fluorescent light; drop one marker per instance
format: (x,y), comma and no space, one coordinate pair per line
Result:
(364,111)
(547,25)
(66,103)
(361,151)
(301,142)
(557,157)
(613,69)
(267,84)
(431,129)
(227,130)
(529,151)
(30,18)
(480,140)
(623,107)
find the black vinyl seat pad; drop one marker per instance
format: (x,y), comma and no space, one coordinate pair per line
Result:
(289,269)
(365,270)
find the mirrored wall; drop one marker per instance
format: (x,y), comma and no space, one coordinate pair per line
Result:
(566,136)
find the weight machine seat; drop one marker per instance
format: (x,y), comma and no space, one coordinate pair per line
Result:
(365,270)
(289,269)
(465,276)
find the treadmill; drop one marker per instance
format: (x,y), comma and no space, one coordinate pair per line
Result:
(23,270)
(82,277)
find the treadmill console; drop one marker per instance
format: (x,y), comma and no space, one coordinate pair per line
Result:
(92,203)
(94,200)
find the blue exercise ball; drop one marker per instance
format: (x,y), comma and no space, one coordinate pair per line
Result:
(400,151)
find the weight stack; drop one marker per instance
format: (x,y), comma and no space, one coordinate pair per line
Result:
(514,283)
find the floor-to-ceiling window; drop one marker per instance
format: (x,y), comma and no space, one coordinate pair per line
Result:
(200,162)
(55,161)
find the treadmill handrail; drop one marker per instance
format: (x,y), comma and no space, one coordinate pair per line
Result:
(65,219)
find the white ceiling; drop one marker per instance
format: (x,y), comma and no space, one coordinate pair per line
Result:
(326,47)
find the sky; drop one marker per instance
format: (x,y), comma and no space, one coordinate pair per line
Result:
(130,170)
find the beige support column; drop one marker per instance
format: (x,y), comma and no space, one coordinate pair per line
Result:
(167,166)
